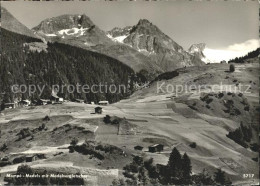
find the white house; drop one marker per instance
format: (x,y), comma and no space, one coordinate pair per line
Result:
(25,102)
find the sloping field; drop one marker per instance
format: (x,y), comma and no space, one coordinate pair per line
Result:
(164,118)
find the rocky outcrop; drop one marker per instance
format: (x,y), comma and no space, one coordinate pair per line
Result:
(149,40)
(75,28)
(142,46)
(197,51)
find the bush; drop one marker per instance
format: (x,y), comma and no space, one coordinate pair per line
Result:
(74,142)
(193,145)
(71,149)
(231,68)
(203,178)
(46,118)
(25,132)
(242,135)
(115,121)
(254,147)
(220,178)
(246,108)
(42,127)
(117,182)
(220,95)
(23,170)
(88,149)
(4,147)
(107,119)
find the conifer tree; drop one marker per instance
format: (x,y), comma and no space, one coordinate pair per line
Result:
(174,173)
(186,168)
(221,179)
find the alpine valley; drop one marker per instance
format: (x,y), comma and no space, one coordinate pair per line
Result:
(148,134)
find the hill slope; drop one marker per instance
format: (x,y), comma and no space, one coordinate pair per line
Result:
(9,22)
(62,65)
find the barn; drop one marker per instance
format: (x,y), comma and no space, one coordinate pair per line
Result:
(138,147)
(156,148)
(25,103)
(98,110)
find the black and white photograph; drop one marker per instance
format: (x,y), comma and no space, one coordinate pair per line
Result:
(125,93)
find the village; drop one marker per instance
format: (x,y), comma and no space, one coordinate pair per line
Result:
(54,99)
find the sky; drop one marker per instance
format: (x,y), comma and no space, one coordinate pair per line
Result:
(229,28)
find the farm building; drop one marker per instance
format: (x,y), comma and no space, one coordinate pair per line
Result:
(34,157)
(56,98)
(98,110)
(10,105)
(31,158)
(103,102)
(138,147)
(156,148)
(25,103)
(42,102)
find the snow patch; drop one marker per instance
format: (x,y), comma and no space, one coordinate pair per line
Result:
(110,36)
(119,39)
(51,35)
(88,44)
(73,31)
(194,50)
(142,50)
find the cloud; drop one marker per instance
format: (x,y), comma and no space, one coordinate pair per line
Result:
(232,51)
(248,45)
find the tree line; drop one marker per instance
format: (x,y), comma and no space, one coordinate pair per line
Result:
(242,59)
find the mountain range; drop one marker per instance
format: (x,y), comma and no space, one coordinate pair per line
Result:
(142,46)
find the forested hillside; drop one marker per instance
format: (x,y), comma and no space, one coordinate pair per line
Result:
(61,64)
(253,54)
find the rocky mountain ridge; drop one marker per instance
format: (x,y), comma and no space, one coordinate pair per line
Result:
(142,46)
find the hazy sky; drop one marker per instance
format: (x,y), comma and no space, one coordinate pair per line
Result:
(219,24)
